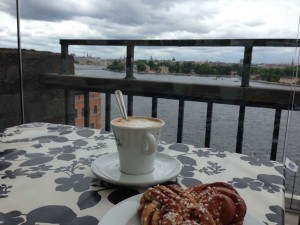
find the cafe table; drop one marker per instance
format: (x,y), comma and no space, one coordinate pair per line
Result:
(46,176)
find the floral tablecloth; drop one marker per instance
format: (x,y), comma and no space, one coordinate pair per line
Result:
(46,176)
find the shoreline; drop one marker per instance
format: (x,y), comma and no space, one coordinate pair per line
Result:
(195,75)
(273,83)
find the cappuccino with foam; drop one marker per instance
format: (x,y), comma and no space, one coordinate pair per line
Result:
(137,122)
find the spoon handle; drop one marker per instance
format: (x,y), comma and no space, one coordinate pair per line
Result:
(120,101)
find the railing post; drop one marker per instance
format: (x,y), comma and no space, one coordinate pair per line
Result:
(129,62)
(64,57)
(208,124)
(275,134)
(246,66)
(154,107)
(240,131)
(86,109)
(180,121)
(67,108)
(107,111)
(130,105)
(64,65)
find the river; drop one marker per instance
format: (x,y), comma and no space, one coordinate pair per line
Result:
(258,125)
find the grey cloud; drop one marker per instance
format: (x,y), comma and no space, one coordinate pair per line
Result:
(255,23)
(123,12)
(38,10)
(8,7)
(3,29)
(129,13)
(119,19)
(143,21)
(54,10)
(134,19)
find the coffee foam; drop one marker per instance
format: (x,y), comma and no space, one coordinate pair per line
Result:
(137,122)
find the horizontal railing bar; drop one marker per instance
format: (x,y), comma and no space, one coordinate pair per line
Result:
(184,42)
(246,66)
(235,95)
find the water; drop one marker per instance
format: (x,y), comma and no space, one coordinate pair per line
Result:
(258,124)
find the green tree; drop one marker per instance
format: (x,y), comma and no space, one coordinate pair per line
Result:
(141,65)
(203,69)
(151,64)
(174,67)
(116,66)
(274,74)
(187,67)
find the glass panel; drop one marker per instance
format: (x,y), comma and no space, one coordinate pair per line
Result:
(10,109)
(290,139)
(194,123)
(224,127)
(210,73)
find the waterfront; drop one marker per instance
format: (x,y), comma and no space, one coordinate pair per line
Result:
(258,127)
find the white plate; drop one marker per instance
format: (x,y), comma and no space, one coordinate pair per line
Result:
(107,166)
(127,215)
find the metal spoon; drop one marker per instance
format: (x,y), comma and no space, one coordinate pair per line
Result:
(120,101)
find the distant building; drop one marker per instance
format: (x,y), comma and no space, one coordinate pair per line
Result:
(94,109)
(123,59)
(289,80)
(147,69)
(164,69)
(233,73)
(255,77)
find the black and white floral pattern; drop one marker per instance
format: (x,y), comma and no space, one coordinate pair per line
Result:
(46,177)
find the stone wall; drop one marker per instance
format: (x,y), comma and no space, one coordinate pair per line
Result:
(41,104)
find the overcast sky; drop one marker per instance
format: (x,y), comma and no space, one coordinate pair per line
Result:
(43,23)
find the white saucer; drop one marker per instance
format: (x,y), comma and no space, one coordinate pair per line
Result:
(106,168)
(127,214)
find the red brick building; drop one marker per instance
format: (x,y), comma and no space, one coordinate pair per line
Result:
(94,109)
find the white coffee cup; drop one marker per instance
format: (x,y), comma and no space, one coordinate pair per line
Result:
(137,141)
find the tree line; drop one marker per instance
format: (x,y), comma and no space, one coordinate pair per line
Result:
(187,67)
(273,74)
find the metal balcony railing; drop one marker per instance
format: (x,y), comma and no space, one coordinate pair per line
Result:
(244,95)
